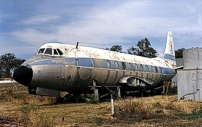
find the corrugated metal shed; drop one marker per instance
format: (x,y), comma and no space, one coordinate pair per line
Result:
(190,78)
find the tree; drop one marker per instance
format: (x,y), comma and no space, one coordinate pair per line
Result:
(179,53)
(144,49)
(8,63)
(1,70)
(116,48)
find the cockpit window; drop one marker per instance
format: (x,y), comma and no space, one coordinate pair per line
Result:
(55,52)
(41,50)
(48,51)
(60,52)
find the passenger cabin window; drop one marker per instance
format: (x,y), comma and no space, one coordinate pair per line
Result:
(48,51)
(128,66)
(41,50)
(108,64)
(131,67)
(85,62)
(140,67)
(120,65)
(116,65)
(145,68)
(134,65)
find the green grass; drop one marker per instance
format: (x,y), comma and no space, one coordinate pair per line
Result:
(196,114)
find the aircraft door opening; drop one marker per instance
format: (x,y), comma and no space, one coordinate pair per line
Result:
(85,67)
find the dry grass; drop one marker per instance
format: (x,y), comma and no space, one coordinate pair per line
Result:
(152,105)
(161,109)
(29,110)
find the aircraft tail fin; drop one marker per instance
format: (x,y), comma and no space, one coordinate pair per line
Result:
(169,50)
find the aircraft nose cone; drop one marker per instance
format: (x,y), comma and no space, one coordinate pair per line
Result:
(23,75)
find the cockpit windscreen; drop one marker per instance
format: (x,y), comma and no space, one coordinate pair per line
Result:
(41,50)
(50,51)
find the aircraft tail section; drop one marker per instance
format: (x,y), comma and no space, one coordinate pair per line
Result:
(169,50)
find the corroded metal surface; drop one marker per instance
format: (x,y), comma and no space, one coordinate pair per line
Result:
(71,69)
(192,58)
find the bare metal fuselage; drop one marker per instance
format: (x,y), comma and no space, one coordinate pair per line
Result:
(63,67)
(74,74)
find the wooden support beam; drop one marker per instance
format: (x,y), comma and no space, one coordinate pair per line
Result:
(96,93)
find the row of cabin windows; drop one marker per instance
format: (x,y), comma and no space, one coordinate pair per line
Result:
(87,62)
(130,66)
(118,65)
(50,51)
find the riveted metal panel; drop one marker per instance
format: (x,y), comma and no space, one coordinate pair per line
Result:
(150,75)
(100,74)
(120,74)
(112,75)
(127,72)
(193,58)
(190,84)
(133,73)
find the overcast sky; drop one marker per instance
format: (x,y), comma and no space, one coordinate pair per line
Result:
(26,25)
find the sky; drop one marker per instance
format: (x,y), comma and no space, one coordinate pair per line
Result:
(26,25)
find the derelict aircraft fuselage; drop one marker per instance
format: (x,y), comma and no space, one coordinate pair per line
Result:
(72,69)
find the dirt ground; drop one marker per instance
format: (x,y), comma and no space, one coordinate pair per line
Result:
(30,110)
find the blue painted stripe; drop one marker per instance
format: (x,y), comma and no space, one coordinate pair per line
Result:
(168,71)
(169,56)
(165,70)
(43,62)
(57,61)
(87,62)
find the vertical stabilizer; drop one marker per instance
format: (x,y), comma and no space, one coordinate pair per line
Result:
(169,50)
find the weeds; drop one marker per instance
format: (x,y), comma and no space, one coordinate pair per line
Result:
(149,108)
(196,114)
(138,109)
(42,120)
(29,108)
